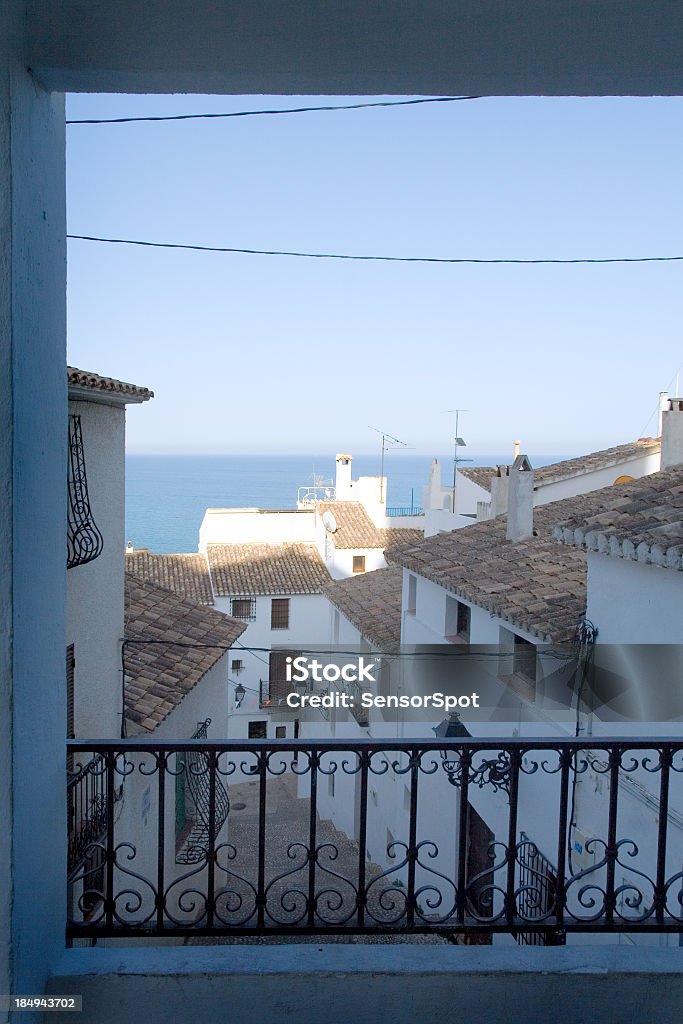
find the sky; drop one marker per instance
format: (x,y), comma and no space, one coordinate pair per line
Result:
(274,354)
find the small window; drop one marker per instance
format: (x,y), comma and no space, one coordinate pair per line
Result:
(359,563)
(236,666)
(464,611)
(458,616)
(258,730)
(524,659)
(412,594)
(280,732)
(243,608)
(279,613)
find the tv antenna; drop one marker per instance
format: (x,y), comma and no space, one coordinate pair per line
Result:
(457,444)
(395,443)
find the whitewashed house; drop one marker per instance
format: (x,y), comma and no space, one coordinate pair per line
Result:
(474,490)
(635,584)
(95,542)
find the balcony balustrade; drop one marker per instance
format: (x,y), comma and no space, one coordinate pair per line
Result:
(465,838)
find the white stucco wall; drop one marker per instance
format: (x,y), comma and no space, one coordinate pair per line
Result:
(308,625)
(339,561)
(95,590)
(632,602)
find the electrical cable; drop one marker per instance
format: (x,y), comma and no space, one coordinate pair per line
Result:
(376,259)
(287,110)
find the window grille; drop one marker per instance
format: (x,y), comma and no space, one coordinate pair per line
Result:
(243,608)
(279,613)
(84,542)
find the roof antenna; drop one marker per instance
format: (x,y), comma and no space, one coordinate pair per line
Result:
(386,447)
(457,443)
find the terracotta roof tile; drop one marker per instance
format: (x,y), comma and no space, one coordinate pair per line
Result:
(394,537)
(186,575)
(482,475)
(372,602)
(84,379)
(159,675)
(536,584)
(245,570)
(355,528)
(644,522)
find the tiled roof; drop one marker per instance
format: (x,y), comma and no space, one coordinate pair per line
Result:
(644,522)
(590,463)
(244,570)
(372,602)
(395,537)
(536,584)
(93,382)
(186,575)
(355,528)
(159,675)
(479,475)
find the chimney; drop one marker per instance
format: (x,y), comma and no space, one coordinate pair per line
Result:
(518,448)
(672,434)
(343,478)
(663,405)
(500,484)
(432,492)
(520,524)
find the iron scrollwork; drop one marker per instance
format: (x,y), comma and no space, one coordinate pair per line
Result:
(84,542)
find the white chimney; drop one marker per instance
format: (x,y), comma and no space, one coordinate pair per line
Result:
(663,406)
(432,491)
(672,434)
(517,449)
(520,523)
(343,478)
(500,484)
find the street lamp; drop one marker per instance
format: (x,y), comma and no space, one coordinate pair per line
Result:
(240,694)
(451,728)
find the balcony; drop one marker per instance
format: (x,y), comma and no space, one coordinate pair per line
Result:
(526,842)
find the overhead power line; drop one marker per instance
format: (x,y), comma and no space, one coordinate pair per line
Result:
(371,258)
(288,110)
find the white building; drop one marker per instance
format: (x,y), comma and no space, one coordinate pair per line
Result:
(475,486)
(95,533)
(635,584)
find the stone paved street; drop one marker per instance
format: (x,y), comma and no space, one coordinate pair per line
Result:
(287,871)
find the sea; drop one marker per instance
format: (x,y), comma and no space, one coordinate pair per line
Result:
(167,495)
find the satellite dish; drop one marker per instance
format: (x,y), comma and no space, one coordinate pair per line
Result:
(329,522)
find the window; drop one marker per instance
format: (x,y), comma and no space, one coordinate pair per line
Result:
(243,608)
(359,563)
(279,613)
(412,594)
(280,732)
(236,666)
(458,616)
(524,659)
(258,730)
(518,667)
(463,620)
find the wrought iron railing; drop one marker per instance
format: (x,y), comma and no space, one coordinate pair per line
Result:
(393,511)
(84,542)
(208,797)
(463,837)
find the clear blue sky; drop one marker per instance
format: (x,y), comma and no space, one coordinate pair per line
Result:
(276,354)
